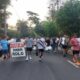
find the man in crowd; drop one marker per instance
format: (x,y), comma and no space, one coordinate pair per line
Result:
(41,47)
(29,47)
(64,43)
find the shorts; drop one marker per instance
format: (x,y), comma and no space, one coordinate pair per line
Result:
(41,50)
(29,49)
(4,52)
(75,52)
(64,46)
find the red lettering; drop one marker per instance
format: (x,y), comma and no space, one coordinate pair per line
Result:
(16,45)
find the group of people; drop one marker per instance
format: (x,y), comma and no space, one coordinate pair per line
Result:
(40,44)
(29,43)
(37,44)
(72,43)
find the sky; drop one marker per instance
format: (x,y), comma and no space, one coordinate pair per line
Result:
(18,9)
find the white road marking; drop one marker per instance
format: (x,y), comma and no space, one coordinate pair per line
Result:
(73,64)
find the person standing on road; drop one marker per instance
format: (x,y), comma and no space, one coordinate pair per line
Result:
(4,43)
(64,43)
(41,44)
(29,46)
(53,43)
(75,47)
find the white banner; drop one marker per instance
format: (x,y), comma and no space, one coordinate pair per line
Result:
(17,49)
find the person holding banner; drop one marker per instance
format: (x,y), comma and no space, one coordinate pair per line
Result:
(29,46)
(4,44)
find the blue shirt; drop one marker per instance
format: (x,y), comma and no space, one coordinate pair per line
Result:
(4,44)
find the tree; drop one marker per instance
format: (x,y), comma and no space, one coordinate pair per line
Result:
(22,28)
(50,28)
(4,14)
(39,29)
(68,17)
(54,6)
(13,33)
(4,4)
(56,3)
(33,20)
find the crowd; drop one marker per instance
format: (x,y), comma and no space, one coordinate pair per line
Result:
(42,44)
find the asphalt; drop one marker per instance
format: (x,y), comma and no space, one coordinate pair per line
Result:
(52,67)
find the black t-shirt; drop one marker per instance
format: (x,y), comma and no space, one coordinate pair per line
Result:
(48,42)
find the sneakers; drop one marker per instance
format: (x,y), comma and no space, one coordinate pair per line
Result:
(27,58)
(30,57)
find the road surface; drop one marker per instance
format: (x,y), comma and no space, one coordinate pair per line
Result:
(53,67)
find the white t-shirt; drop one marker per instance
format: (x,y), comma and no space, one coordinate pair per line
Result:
(63,40)
(35,41)
(12,40)
(40,44)
(57,40)
(23,40)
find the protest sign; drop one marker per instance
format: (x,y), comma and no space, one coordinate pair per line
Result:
(17,49)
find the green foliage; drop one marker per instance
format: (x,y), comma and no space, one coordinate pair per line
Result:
(33,18)
(50,28)
(46,28)
(13,33)
(1,32)
(39,29)
(68,17)
(22,28)
(3,13)
(4,3)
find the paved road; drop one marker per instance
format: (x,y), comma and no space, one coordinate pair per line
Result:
(53,67)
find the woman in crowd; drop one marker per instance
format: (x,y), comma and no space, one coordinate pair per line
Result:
(75,47)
